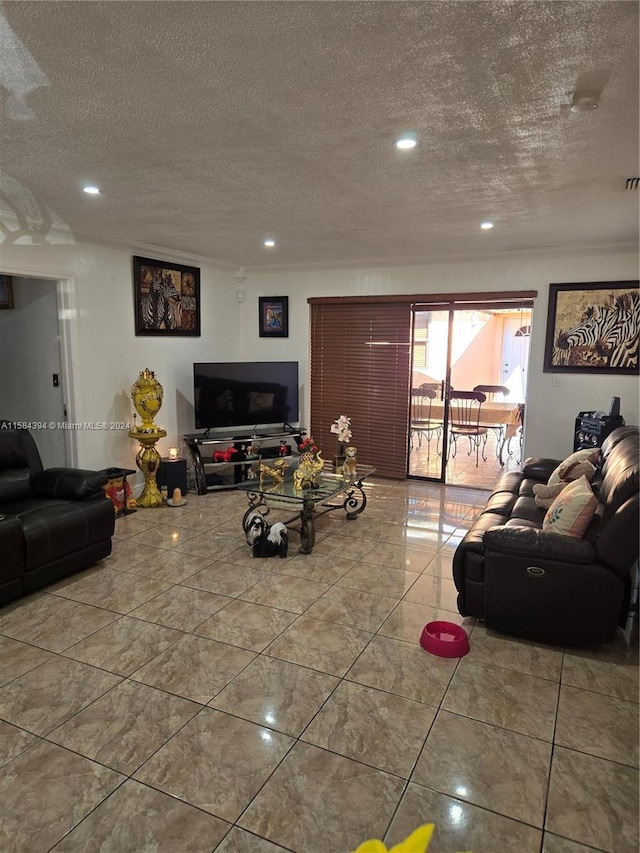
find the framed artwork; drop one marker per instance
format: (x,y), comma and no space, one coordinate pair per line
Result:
(274,316)
(593,328)
(6,291)
(167,298)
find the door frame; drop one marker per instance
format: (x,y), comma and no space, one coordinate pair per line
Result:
(68,325)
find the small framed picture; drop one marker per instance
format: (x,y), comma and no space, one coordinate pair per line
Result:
(274,316)
(6,291)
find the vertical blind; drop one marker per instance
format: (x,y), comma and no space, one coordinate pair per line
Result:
(360,367)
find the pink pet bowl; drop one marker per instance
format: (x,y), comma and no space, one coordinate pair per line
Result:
(445,639)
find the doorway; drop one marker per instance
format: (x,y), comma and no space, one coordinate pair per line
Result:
(32,378)
(468,438)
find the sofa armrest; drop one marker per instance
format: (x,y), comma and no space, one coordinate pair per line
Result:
(539,468)
(532,543)
(69,483)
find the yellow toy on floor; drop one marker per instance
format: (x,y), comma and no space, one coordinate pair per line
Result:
(417,842)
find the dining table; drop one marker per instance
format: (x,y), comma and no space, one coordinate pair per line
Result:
(511,415)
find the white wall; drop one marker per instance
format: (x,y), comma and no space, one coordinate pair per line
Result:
(107,356)
(553,400)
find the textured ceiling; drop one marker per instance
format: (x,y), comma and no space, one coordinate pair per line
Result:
(212,125)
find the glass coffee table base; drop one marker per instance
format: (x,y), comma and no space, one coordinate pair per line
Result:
(351,498)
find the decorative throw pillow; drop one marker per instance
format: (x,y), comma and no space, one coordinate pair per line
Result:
(566,466)
(575,470)
(572,510)
(545,495)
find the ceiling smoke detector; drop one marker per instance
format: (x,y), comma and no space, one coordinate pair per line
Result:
(585,101)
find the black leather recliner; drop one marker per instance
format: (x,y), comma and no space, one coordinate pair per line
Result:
(545,586)
(52,523)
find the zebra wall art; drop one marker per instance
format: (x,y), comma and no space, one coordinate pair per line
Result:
(167,298)
(594,327)
(154,305)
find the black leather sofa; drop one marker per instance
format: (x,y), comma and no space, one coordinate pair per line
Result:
(52,523)
(545,586)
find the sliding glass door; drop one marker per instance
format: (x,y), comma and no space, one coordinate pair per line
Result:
(390,363)
(468,383)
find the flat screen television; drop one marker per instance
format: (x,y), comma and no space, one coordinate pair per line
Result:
(232,395)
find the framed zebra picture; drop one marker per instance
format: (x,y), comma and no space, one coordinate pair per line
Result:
(167,298)
(593,328)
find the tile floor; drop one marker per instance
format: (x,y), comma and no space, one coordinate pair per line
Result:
(425,461)
(182,697)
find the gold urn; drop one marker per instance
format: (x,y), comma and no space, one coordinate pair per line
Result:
(146,393)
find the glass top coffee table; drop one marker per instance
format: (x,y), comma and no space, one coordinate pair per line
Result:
(334,492)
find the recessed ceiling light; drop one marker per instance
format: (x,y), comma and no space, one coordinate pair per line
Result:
(486,225)
(92,190)
(406,141)
(269,243)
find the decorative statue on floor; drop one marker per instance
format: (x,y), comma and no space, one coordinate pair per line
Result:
(119,493)
(147,393)
(265,540)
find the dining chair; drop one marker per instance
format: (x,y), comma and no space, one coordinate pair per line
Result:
(422,422)
(495,393)
(465,408)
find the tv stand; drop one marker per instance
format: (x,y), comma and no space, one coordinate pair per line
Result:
(212,475)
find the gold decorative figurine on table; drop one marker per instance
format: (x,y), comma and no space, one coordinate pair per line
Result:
(146,393)
(275,473)
(307,474)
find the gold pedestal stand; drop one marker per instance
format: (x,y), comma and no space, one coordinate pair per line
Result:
(147,461)
(146,393)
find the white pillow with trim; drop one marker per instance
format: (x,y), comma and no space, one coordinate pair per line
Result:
(579,456)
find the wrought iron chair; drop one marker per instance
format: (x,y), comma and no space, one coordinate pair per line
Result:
(422,422)
(465,408)
(495,393)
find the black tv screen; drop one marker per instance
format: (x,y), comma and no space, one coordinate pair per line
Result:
(245,394)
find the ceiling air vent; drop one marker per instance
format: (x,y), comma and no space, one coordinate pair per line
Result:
(632,183)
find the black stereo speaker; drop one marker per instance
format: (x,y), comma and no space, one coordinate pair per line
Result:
(591,429)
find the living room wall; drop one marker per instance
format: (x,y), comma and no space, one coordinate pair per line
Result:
(105,356)
(553,399)
(95,305)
